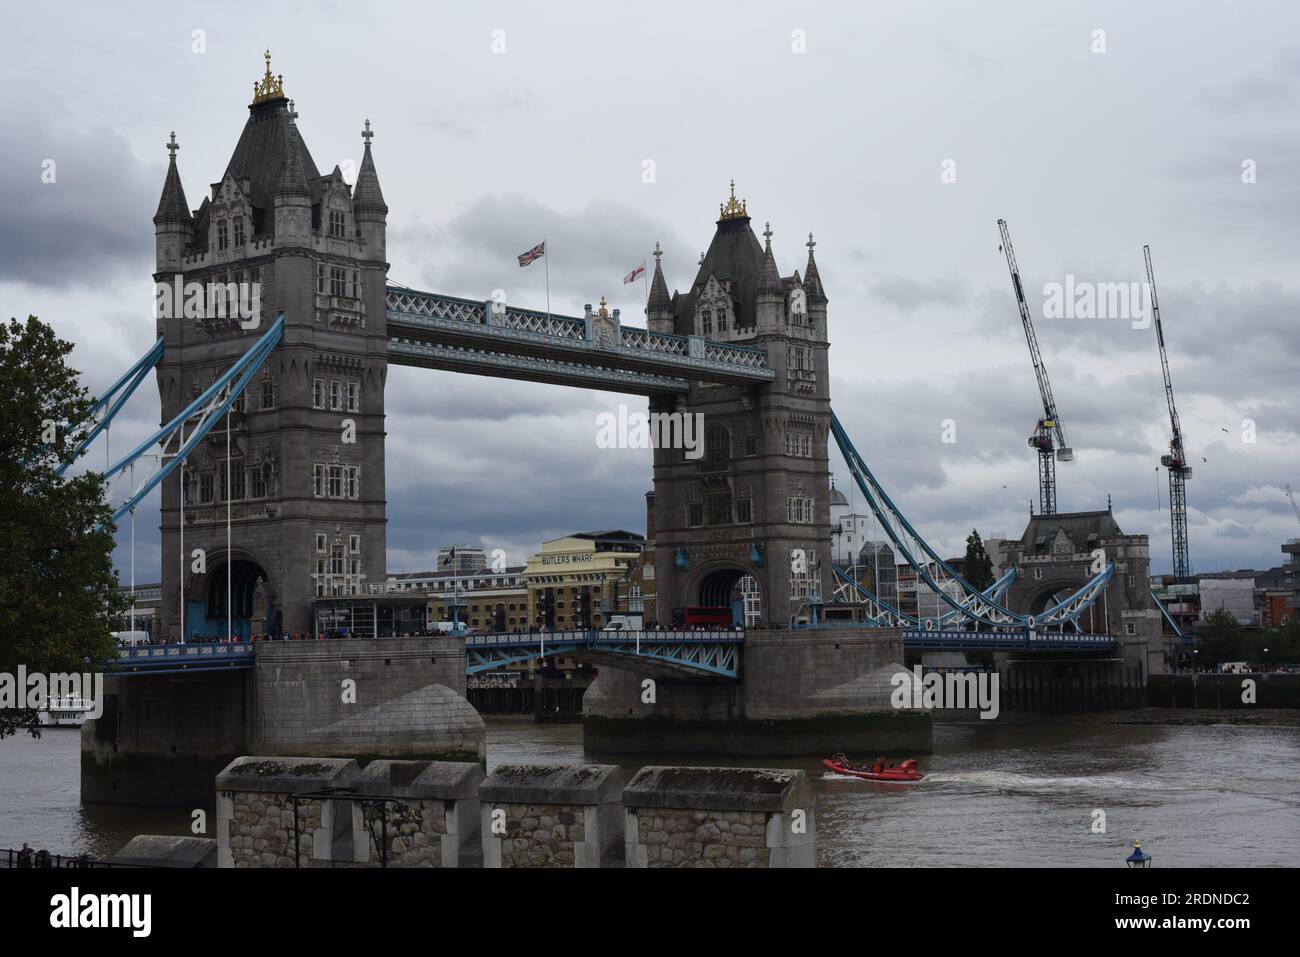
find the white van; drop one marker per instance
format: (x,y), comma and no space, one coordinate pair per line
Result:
(630,622)
(131,638)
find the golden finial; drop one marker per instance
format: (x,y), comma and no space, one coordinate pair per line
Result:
(603,311)
(271,87)
(732,209)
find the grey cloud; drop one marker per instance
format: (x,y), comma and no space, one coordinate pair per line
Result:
(86,225)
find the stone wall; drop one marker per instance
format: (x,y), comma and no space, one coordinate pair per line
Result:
(446,814)
(719,818)
(255,813)
(161,738)
(552,816)
(813,691)
(684,838)
(409,699)
(428,811)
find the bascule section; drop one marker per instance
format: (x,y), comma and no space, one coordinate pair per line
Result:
(297,465)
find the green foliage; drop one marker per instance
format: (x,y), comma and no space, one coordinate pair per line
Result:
(57,582)
(1219,638)
(978,569)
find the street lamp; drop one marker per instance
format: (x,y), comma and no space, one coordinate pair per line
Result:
(1138,858)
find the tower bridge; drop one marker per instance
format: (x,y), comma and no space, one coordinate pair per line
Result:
(287,502)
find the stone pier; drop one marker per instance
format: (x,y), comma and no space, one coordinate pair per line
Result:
(811,691)
(162,738)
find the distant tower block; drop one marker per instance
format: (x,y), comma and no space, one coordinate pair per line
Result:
(307,502)
(752,514)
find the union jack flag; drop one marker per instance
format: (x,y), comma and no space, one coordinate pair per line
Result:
(537,252)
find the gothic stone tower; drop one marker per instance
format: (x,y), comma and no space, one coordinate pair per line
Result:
(307,502)
(757,502)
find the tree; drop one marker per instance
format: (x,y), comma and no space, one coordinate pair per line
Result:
(57,583)
(1219,638)
(978,568)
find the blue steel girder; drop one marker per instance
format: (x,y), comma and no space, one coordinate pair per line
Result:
(209,407)
(971,604)
(429,355)
(882,614)
(497,329)
(716,654)
(111,402)
(176,658)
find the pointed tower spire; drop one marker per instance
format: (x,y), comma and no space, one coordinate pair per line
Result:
(812,280)
(659,307)
(367,197)
(769,280)
(293,176)
(172,207)
(659,298)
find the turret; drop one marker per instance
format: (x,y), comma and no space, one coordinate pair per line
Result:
(659,307)
(770,299)
(368,206)
(173,223)
(292,195)
(814,291)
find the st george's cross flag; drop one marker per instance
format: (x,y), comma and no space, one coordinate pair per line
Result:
(635,274)
(537,252)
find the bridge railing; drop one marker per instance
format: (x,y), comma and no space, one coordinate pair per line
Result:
(188,653)
(594,637)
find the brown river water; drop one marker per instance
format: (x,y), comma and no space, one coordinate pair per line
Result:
(995,794)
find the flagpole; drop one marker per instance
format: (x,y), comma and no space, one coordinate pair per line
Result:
(546,255)
(645,283)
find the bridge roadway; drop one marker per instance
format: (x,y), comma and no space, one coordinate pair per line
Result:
(696,653)
(434,331)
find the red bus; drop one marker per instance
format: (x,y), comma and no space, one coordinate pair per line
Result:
(693,615)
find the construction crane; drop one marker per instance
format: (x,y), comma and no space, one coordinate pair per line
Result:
(1048,438)
(1176,460)
(1294,507)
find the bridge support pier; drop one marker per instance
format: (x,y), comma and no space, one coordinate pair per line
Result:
(164,737)
(808,691)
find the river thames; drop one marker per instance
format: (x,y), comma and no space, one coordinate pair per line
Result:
(995,794)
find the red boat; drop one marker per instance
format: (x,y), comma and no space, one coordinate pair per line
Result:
(904,772)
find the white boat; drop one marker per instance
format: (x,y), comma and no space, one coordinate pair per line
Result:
(69,711)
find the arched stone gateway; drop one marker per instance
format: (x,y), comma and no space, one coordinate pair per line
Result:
(732,587)
(252,604)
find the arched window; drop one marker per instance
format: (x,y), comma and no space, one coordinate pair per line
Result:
(706,322)
(223,238)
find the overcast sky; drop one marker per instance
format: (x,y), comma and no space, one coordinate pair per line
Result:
(480,154)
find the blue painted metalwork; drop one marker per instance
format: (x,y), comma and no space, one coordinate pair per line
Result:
(952,639)
(176,658)
(1168,617)
(211,404)
(887,616)
(411,352)
(714,653)
(126,384)
(973,605)
(490,330)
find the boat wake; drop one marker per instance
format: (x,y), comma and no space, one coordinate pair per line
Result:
(1011,781)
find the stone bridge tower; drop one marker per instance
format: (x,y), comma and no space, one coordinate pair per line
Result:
(747,524)
(306,492)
